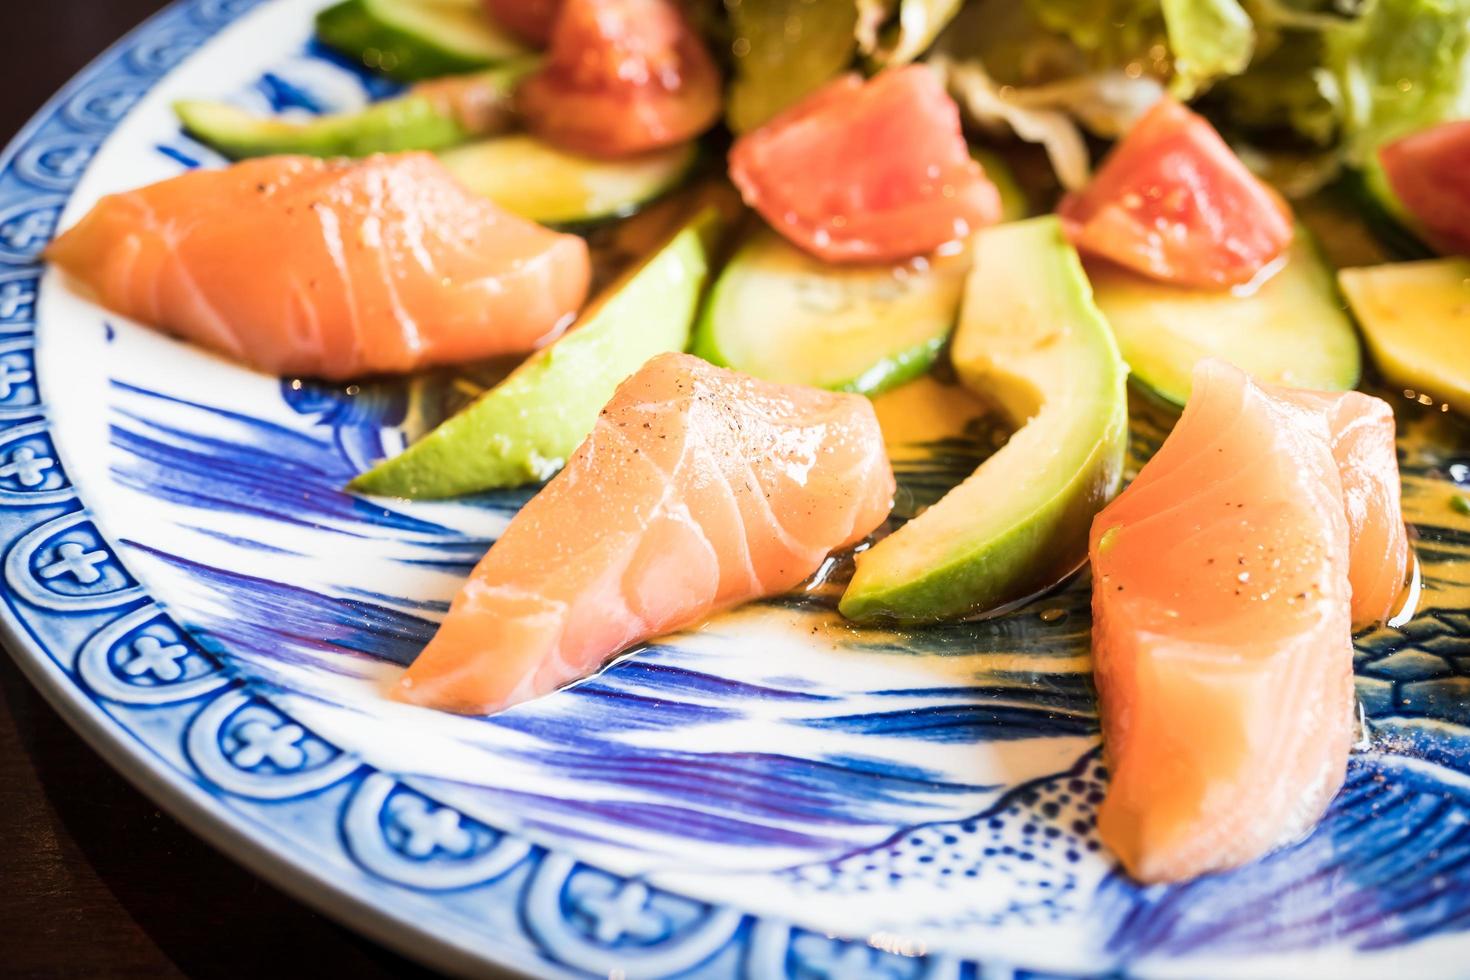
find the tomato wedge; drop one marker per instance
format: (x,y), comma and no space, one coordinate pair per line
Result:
(531,20)
(621,77)
(1173,202)
(867,171)
(1429,172)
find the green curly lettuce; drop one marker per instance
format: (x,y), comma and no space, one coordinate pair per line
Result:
(896,32)
(1402,66)
(1112,32)
(1209,39)
(1285,91)
(1192,42)
(783,50)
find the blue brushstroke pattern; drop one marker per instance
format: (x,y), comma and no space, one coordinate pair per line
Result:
(282,94)
(276,472)
(1388,864)
(293,625)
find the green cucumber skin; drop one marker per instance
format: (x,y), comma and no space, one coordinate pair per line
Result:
(350,28)
(522,430)
(885,372)
(392,126)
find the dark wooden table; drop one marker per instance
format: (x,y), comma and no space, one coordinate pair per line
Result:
(94,880)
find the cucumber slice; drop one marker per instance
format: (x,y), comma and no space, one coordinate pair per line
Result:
(410,40)
(1290,329)
(524,428)
(435,116)
(539,182)
(780,314)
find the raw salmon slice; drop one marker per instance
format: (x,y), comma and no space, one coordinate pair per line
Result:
(699,488)
(335,269)
(1364,446)
(1222,636)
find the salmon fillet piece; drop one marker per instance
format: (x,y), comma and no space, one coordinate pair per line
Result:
(1366,450)
(329,268)
(1222,633)
(698,489)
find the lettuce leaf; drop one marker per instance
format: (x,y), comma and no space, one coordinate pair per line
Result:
(782,51)
(1286,90)
(1209,39)
(1192,42)
(918,24)
(1402,66)
(1112,32)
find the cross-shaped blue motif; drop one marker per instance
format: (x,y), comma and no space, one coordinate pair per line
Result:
(13,296)
(11,377)
(66,162)
(260,741)
(110,105)
(27,467)
(152,656)
(75,560)
(428,828)
(622,912)
(27,229)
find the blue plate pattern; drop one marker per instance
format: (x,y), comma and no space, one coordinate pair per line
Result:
(187,711)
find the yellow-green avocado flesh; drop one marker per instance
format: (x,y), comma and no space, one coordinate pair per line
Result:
(1031,340)
(1416,317)
(523,429)
(1290,329)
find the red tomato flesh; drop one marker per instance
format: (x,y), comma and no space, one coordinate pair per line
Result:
(870,171)
(530,20)
(1430,174)
(1173,202)
(621,77)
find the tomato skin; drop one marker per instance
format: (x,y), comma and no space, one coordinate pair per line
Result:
(621,77)
(873,171)
(1429,172)
(530,20)
(1173,202)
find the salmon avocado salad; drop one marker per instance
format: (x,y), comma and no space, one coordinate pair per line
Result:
(1207,210)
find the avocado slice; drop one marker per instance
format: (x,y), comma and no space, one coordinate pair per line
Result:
(411,40)
(431,116)
(538,181)
(523,429)
(1030,339)
(1290,329)
(784,51)
(1416,317)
